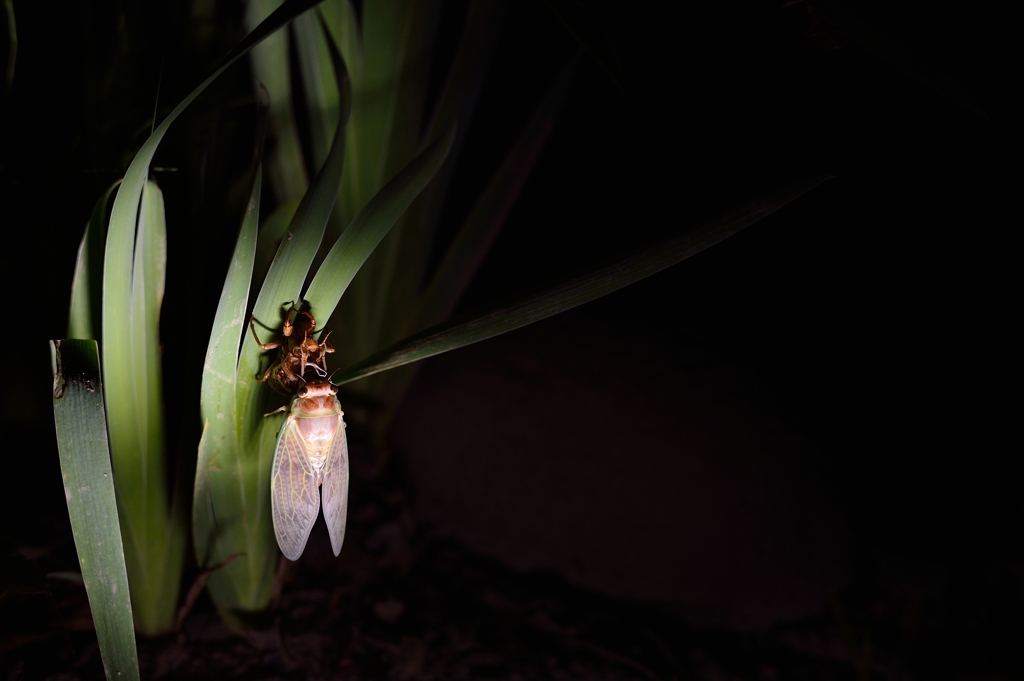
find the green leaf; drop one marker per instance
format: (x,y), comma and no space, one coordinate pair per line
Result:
(369,227)
(223,503)
(459,98)
(342,25)
(383,31)
(387,291)
(89,490)
(271,232)
(120,239)
(132,290)
(399,266)
(471,244)
(482,326)
(269,61)
(84,320)
(474,239)
(217,398)
(318,84)
(231,510)
(287,274)
(154,543)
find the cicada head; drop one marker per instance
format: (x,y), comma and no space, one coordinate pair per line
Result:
(315,399)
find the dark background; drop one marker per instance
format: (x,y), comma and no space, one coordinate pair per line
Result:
(876,310)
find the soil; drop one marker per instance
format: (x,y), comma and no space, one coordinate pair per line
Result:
(401,603)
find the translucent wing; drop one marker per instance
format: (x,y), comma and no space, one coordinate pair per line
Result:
(294,500)
(335,486)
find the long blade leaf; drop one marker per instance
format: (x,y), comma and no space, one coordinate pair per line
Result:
(89,490)
(232,502)
(459,98)
(459,333)
(268,241)
(120,239)
(130,346)
(216,467)
(287,273)
(384,273)
(477,234)
(217,399)
(356,243)
(84,320)
(318,84)
(269,61)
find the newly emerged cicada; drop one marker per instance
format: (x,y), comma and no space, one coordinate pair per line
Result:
(300,353)
(312,452)
(311,458)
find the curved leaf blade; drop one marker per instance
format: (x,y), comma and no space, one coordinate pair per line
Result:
(372,223)
(287,273)
(232,507)
(154,538)
(459,333)
(120,238)
(269,60)
(219,500)
(467,251)
(217,397)
(84,320)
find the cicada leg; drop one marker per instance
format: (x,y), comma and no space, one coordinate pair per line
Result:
(324,348)
(277,411)
(263,346)
(266,374)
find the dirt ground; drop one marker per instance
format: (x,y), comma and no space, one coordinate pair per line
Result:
(402,604)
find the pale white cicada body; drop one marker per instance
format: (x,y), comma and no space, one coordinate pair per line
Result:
(312,453)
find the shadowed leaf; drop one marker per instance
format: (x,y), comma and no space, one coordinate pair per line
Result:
(477,234)
(84,320)
(503,318)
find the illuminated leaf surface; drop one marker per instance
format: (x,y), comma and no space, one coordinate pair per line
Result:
(89,489)
(154,541)
(371,225)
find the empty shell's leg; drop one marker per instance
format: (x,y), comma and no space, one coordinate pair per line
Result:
(263,346)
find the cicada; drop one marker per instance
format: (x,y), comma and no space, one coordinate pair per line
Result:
(312,453)
(300,352)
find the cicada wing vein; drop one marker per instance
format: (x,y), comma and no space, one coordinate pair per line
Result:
(335,487)
(294,498)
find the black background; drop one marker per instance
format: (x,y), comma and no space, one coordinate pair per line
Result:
(877,309)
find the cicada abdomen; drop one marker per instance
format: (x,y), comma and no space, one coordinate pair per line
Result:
(312,453)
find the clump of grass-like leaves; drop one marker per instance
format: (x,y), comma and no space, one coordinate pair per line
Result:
(364,227)
(116,296)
